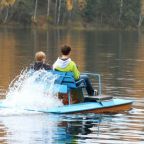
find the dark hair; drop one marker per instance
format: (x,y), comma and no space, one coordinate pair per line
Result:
(65,50)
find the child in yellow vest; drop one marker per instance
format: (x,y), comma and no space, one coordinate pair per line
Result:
(65,64)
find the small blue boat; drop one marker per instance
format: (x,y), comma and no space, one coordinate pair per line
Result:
(74,100)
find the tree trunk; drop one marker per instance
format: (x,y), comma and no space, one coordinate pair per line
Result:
(59,12)
(121,10)
(35,10)
(6,16)
(56,4)
(101,19)
(70,5)
(69,17)
(141,16)
(140,20)
(48,8)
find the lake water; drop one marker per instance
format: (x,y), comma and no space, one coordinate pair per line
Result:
(117,55)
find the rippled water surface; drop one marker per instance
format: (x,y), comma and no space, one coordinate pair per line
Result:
(119,58)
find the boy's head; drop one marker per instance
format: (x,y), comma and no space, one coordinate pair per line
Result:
(65,50)
(40,56)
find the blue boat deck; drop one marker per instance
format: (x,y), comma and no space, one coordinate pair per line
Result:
(80,107)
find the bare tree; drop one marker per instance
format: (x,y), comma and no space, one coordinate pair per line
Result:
(141,16)
(121,10)
(6,16)
(59,12)
(56,5)
(48,8)
(35,10)
(69,5)
(5,5)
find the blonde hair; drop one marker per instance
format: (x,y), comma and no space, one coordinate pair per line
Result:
(39,56)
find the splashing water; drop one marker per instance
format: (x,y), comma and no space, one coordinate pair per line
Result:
(33,90)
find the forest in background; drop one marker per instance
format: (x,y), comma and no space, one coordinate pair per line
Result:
(74,13)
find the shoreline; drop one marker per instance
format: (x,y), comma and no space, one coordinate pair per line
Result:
(78,27)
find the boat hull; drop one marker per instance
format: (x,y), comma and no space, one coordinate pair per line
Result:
(110,106)
(110,110)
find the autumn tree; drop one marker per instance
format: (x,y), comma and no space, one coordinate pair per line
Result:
(5,5)
(113,13)
(141,16)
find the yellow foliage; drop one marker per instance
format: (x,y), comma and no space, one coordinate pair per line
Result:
(6,3)
(82,4)
(3,3)
(69,4)
(10,2)
(142,7)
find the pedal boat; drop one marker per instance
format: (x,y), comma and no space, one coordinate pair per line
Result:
(75,101)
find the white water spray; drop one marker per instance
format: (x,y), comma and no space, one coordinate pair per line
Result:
(33,90)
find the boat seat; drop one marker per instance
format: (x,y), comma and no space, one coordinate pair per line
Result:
(66,82)
(97,98)
(61,88)
(69,90)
